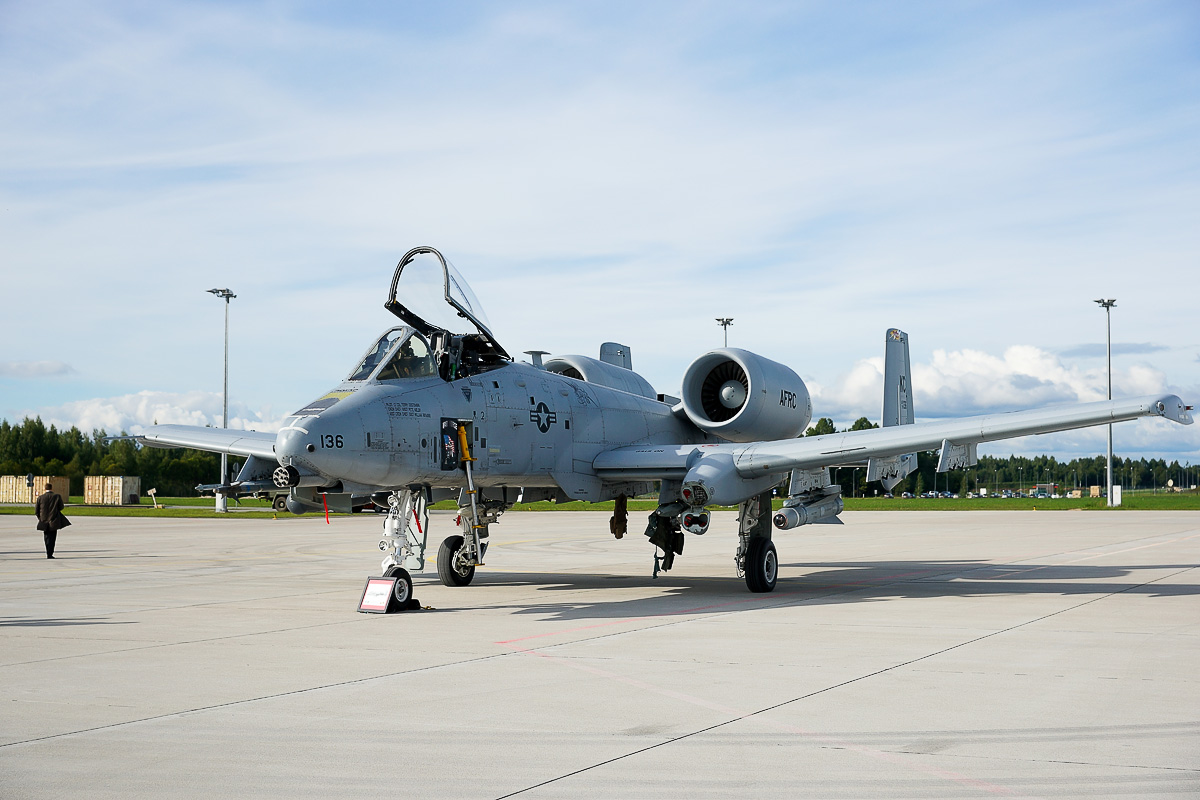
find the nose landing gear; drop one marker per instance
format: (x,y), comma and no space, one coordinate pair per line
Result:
(405,531)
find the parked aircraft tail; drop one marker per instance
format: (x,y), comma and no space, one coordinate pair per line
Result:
(897,409)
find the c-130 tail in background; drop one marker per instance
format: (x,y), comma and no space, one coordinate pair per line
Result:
(437,408)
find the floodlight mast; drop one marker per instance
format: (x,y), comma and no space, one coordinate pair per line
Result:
(1107,306)
(725,322)
(222,505)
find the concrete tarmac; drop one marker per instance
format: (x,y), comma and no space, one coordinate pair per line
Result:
(903,654)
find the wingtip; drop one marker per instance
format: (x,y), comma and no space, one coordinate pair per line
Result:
(1174,409)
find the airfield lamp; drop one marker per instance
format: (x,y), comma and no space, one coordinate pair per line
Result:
(1107,306)
(725,322)
(222,501)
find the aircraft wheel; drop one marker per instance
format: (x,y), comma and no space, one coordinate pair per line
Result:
(403,589)
(280,502)
(762,565)
(448,571)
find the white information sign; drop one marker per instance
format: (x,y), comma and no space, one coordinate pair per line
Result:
(377,595)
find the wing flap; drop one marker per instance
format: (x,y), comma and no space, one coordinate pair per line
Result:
(214,440)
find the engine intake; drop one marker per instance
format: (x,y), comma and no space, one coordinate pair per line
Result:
(744,397)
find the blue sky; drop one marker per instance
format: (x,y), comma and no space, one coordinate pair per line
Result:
(975,174)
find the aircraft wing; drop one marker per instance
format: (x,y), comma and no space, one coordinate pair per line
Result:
(758,459)
(214,440)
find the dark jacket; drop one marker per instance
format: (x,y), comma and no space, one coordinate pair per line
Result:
(49,507)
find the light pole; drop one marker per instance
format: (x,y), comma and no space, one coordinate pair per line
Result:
(222,502)
(725,322)
(1107,306)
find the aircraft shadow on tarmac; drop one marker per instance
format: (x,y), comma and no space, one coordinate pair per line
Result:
(832,582)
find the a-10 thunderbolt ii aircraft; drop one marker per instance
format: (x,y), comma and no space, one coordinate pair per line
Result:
(437,408)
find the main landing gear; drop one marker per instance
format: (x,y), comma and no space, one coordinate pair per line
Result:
(756,558)
(454,563)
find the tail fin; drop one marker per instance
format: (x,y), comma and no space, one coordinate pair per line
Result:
(897,409)
(897,391)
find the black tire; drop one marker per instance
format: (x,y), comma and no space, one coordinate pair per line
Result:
(280,502)
(445,563)
(402,591)
(762,565)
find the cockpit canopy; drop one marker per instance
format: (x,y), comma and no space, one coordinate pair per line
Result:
(430,296)
(402,352)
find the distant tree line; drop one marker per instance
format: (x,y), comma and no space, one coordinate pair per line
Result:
(31,447)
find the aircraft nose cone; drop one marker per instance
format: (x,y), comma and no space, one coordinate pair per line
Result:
(292,445)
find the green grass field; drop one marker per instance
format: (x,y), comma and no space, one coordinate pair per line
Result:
(202,507)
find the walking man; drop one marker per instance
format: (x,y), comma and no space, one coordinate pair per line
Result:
(50,517)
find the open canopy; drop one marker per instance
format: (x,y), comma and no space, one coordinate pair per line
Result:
(429,294)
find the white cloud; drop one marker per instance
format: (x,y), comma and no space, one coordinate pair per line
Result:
(34,369)
(967,382)
(598,173)
(132,413)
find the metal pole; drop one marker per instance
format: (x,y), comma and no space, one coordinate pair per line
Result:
(222,502)
(1108,352)
(1107,306)
(725,322)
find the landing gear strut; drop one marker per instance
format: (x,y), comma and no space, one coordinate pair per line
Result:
(756,557)
(405,530)
(459,555)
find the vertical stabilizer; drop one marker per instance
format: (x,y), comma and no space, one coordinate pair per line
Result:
(897,390)
(897,409)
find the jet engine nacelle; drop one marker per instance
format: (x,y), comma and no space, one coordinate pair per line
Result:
(603,374)
(744,397)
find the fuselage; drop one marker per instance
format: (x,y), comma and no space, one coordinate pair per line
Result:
(525,427)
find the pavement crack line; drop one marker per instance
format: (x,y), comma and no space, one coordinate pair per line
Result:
(740,716)
(249,700)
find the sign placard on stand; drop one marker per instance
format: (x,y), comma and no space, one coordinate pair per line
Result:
(377,595)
